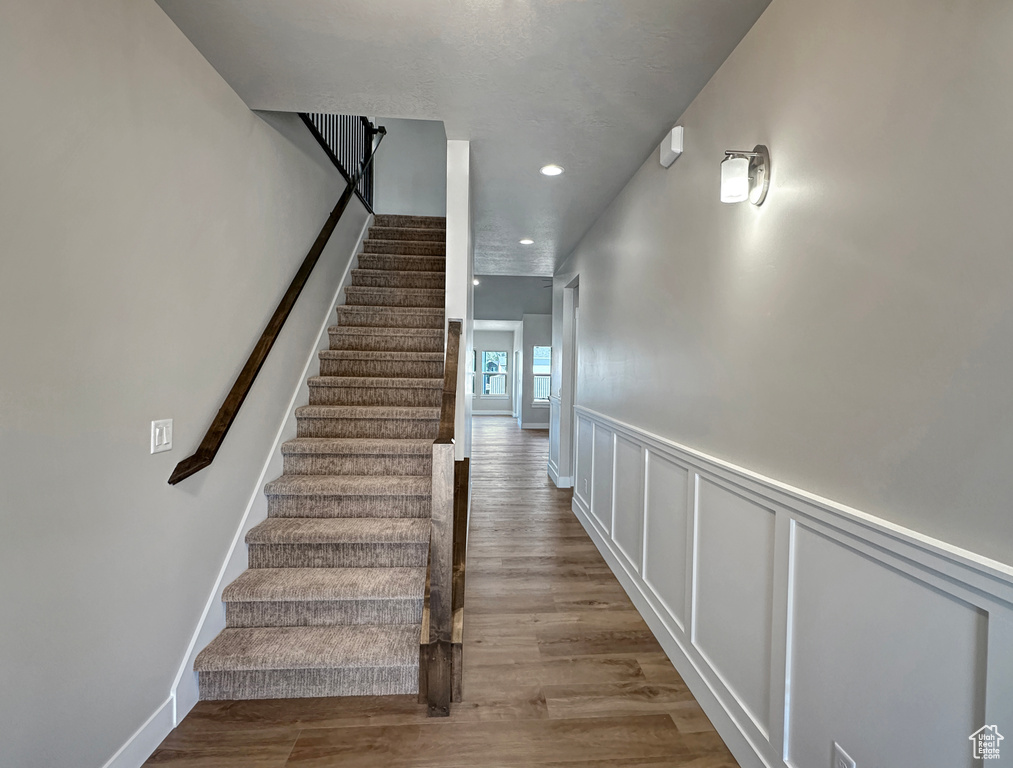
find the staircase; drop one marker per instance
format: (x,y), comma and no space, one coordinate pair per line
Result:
(332,602)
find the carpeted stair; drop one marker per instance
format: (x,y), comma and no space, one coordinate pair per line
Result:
(332,602)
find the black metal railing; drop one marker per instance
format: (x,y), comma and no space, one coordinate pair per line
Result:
(348,141)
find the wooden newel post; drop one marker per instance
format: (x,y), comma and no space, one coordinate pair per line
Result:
(439,673)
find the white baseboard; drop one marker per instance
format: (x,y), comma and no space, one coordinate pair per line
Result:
(535,425)
(145,739)
(492,413)
(560,481)
(184,693)
(792,618)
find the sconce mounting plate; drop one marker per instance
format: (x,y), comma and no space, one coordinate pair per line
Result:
(759,174)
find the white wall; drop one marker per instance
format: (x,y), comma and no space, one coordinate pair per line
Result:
(537,333)
(507,297)
(151,223)
(849,338)
(493,341)
(410,168)
(460,274)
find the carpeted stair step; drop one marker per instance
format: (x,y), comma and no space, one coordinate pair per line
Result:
(399,220)
(402,263)
(352,390)
(303,597)
(355,542)
(366,421)
(400,365)
(298,662)
(386,339)
(404,247)
(349,496)
(386,278)
(362,295)
(391,317)
(357,456)
(411,234)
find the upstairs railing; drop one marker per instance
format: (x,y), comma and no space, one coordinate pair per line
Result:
(348,141)
(215,436)
(440,652)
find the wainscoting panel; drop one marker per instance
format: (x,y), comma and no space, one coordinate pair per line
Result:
(602,475)
(628,501)
(734,594)
(797,621)
(667,535)
(585,451)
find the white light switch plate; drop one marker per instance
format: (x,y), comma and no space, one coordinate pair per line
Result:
(841,758)
(161,435)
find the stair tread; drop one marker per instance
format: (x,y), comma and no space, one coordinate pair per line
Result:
(366,354)
(429,311)
(377,382)
(387,289)
(350,485)
(400,412)
(322,584)
(357,446)
(421,274)
(340,530)
(341,646)
(380,330)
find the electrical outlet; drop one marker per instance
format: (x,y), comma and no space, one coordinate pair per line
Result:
(841,759)
(161,435)
(585,486)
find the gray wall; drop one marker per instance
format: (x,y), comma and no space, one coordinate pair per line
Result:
(493,341)
(410,168)
(510,298)
(852,336)
(537,333)
(151,223)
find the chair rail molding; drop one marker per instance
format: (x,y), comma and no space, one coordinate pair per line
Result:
(794,619)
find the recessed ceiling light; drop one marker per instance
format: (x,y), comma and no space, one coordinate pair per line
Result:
(475,281)
(552,170)
(527,241)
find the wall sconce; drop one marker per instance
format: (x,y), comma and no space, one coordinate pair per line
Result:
(745,175)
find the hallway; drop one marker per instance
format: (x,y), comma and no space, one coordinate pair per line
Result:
(560,670)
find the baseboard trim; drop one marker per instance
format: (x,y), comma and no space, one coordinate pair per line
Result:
(145,739)
(492,413)
(184,693)
(537,425)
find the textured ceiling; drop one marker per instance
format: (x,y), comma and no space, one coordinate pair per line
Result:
(590,84)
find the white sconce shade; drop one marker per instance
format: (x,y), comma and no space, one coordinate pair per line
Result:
(735,179)
(745,175)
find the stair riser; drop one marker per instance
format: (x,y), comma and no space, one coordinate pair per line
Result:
(325,613)
(347,340)
(392,279)
(411,234)
(332,464)
(415,369)
(305,683)
(408,397)
(400,220)
(401,247)
(386,555)
(384,429)
(394,263)
(368,317)
(349,506)
(372,297)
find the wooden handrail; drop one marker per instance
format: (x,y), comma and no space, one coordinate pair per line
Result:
(215,436)
(437,655)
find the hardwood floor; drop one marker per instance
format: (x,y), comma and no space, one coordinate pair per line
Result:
(560,670)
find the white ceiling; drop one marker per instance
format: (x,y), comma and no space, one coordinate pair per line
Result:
(593,85)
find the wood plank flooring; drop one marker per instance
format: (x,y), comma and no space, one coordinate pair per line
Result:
(560,670)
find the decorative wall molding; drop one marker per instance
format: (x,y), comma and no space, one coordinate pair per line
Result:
(145,740)
(795,620)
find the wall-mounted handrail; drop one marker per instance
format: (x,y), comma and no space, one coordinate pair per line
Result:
(436,655)
(215,436)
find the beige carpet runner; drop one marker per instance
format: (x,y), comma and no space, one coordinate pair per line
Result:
(332,602)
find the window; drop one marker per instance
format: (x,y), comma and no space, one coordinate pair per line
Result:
(494,373)
(541,367)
